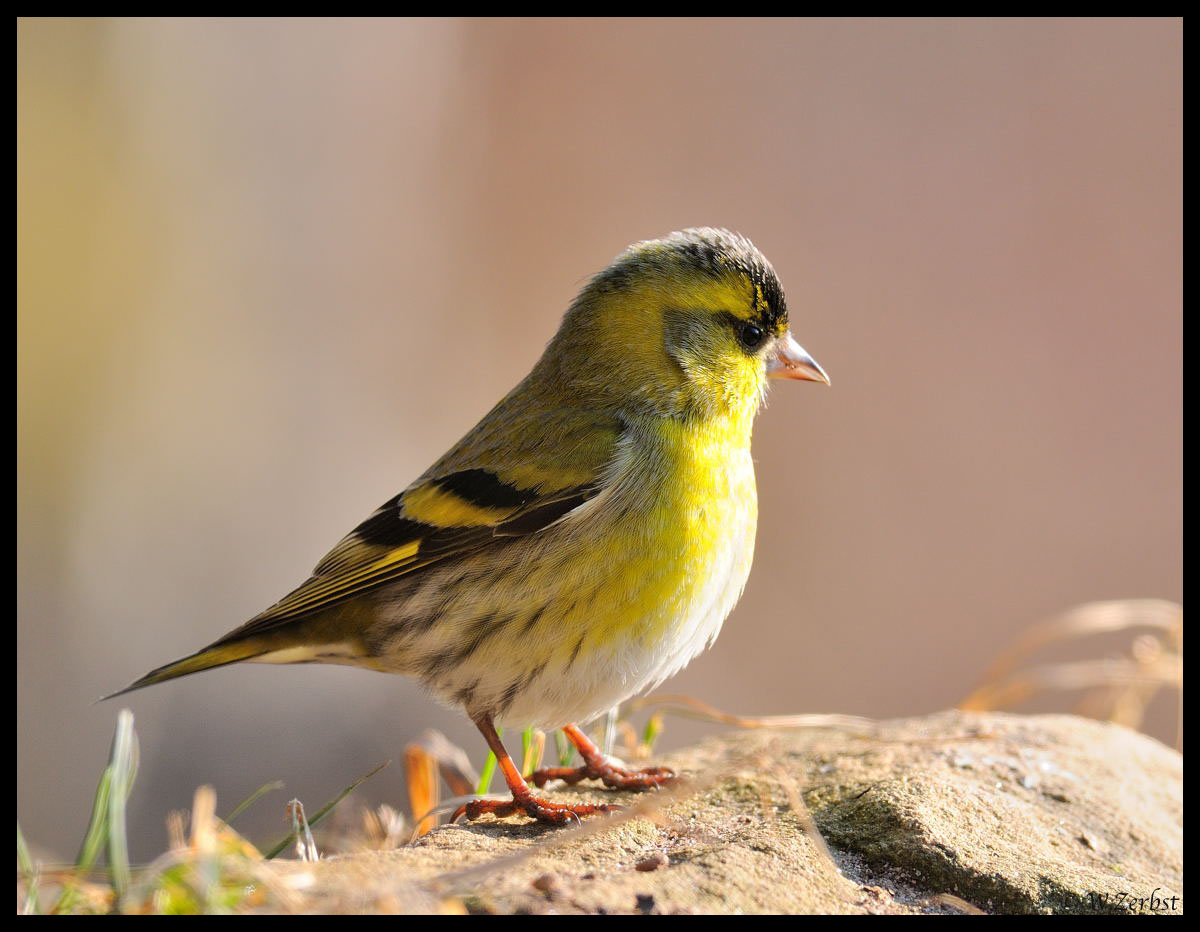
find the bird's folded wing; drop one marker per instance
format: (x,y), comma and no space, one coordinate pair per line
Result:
(450,512)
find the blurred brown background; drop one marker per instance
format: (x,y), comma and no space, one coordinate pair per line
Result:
(269,270)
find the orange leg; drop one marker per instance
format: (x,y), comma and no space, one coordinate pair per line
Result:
(523,799)
(598,767)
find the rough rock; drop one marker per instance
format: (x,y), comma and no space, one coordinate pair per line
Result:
(955,812)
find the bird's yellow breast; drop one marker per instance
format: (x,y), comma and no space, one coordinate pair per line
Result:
(611,600)
(682,537)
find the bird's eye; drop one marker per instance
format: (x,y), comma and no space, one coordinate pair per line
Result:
(751,336)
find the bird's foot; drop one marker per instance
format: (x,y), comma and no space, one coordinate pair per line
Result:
(649,778)
(541,809)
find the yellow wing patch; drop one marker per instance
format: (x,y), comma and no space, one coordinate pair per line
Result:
(440,507)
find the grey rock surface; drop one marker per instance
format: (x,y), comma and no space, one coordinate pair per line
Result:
(954,812)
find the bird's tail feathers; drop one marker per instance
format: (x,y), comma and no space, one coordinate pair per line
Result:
(216,655)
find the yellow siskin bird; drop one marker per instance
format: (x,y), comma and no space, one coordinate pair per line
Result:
(587,538)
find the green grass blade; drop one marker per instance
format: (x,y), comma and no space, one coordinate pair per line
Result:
(485,775)
(489,768)
(124,766)
(324,811)
(24,861)
(526,745)
(654,728)
(252,799)
(96,836)
(566,750)
(26,866)
(106,827)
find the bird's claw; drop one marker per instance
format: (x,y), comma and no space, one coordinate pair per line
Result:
(618,778)
(541,809)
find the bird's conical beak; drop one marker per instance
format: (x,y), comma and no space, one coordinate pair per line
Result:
(791,361)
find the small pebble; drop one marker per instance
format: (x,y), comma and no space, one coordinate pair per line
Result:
(549,885)
(653,863)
